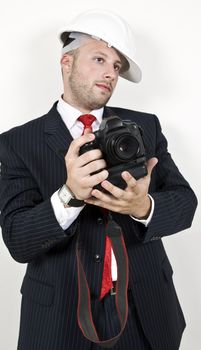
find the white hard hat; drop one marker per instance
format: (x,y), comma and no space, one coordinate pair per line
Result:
(112,29)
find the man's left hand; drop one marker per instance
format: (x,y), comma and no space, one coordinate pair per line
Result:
(133,200)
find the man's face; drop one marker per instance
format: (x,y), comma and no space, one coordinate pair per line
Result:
(91,76)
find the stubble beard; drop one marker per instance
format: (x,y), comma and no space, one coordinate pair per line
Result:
(82,94)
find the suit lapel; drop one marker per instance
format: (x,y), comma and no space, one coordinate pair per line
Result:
(108,112)
(57,135)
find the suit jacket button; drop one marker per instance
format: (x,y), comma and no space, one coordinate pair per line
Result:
(100,221)
(97,258)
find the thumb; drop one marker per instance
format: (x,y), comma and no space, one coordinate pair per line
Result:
(87,131)
(151,164)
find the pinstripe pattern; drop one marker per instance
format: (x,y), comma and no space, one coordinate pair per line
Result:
(32,158)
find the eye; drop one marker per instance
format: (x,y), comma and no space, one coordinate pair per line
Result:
(99,59)
(117,67)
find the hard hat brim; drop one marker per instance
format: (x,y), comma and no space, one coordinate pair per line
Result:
(133,74)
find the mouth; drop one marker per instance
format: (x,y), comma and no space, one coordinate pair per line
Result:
(104,87)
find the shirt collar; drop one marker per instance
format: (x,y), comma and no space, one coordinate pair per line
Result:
(70,114)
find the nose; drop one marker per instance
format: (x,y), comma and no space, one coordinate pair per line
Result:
(110,73)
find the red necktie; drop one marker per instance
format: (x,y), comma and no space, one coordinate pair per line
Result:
(107,273)
(87,120)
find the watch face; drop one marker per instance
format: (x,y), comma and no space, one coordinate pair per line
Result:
(65,194)
(68,199)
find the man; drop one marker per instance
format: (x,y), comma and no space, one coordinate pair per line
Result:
(51,210)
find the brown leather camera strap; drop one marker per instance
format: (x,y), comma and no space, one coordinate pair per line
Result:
(84,312)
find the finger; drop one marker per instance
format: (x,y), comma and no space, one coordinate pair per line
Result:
(87,131)
(98,178)
(151,164)
(101,199)
(94,166)
(90,156)
(113,190)
(129,179)
(98,203)
(104,201)
(77,143)
(96,198)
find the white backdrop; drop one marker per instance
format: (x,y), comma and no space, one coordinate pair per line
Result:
(169,53)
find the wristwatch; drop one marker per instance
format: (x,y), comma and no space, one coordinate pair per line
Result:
(68,199)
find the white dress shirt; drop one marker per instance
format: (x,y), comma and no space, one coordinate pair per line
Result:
(66,216)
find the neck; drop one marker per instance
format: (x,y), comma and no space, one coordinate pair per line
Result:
(73,104)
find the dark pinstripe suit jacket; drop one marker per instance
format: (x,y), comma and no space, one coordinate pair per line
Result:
(32,168)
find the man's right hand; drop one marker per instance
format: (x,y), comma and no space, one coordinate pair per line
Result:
(80,167)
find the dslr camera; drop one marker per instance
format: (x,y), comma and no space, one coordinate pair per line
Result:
(122,146)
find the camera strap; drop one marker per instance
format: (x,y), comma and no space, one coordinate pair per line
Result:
(84,312)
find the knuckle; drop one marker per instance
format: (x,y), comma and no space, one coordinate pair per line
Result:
(100,176)
(114,190)
(73,144)
(103,205)
(116,209)
(87,157)
(97,153)
(93,166)
(96,165)
(104,174)
(92,156)
(84,182)
(97,178)
(120,194)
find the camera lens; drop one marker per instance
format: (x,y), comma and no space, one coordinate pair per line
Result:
(125,147)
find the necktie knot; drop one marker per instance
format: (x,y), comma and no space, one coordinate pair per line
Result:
(87,120)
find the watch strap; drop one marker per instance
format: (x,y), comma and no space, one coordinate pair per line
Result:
(76,202)
(71,200)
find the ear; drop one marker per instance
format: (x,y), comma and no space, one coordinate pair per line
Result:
(66,62)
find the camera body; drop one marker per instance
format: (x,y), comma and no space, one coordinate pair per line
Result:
(122,146)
